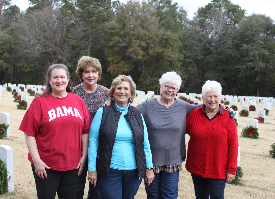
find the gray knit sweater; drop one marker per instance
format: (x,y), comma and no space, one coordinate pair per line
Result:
(166,130)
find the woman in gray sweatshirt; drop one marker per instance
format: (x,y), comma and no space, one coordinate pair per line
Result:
(165,118)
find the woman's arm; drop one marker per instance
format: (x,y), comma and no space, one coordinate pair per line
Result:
(40,166)
(93,146)
(84,141)
(149,175)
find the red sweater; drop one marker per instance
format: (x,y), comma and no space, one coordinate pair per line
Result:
(213,145)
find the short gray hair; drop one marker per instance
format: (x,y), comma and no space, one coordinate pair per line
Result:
(211,85)
(170,77)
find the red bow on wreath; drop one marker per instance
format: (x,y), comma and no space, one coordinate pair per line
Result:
(259,120)
(250,132)
(23,103)
(244,113)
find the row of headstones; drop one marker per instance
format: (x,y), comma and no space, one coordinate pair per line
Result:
(6,152)
(148,95)
(260,113)
(18,90)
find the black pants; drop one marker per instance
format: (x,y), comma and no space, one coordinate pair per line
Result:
(62,182)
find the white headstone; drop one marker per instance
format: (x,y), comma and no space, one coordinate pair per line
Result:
(239,157)
(261,113)
(252,122)
(241,101)
(245,107)
(6,155)
(5,118)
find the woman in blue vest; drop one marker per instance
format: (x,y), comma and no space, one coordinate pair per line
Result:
(119,153)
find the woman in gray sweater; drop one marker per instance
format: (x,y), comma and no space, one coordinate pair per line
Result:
(165,118)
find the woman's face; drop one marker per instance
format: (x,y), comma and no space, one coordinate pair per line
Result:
(122,93)
(168,90)
(59,80)
(212,99)
(90,75)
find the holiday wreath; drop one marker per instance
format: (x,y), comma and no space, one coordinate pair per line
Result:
(239,174)
(260,119)
(235,108)
(244,113)
(266,111)
(22,105)
(252,108)
(272,150)
(250,132)
(3,129)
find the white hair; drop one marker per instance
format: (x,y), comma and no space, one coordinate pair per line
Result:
(211,85)
(170,77)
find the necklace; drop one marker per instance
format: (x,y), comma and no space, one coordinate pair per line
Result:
(59,96)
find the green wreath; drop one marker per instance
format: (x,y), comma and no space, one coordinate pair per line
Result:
(3,178)
(272,150)
(226,103)
(252,108)
(239,175)
(22,105)
(250,132)
(8,89)
(260,119)
(3,129)
(236,121)
(235,108)
(266,111)
(244,113)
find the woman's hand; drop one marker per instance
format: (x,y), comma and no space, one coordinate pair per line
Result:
(40,169)
(80,165)
(92,177)
(229,178)
(149,176)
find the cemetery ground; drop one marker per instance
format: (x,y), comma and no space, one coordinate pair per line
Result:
(256,163)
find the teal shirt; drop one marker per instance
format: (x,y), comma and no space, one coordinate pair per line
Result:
(123,154)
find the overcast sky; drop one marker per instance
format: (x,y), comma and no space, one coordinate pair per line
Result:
(251,6)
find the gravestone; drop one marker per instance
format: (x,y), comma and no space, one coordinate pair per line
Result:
(252,122)
(5,118)
(245,107)
(6,155)
(241,101)
(261,113)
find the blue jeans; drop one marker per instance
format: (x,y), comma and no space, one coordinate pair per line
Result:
(119,184)
(93,192)
(165,185)
(207,186)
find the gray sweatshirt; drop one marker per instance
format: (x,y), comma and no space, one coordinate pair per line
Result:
(166,130)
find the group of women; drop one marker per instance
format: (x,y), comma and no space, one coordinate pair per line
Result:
(92,128)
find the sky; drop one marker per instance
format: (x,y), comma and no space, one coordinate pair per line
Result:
(191,6)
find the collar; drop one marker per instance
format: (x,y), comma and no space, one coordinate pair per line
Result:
(220,111)
(124,110)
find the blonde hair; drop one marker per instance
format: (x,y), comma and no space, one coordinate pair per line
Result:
(118,80)
(84,62)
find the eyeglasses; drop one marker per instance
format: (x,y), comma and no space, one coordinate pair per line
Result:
(170,87)
(214,96)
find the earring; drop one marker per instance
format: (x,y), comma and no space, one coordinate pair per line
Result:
(130,101)
(113,99)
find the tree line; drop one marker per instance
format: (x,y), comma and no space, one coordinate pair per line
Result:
(141,39)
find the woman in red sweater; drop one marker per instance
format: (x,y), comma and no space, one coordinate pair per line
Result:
(213,145)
